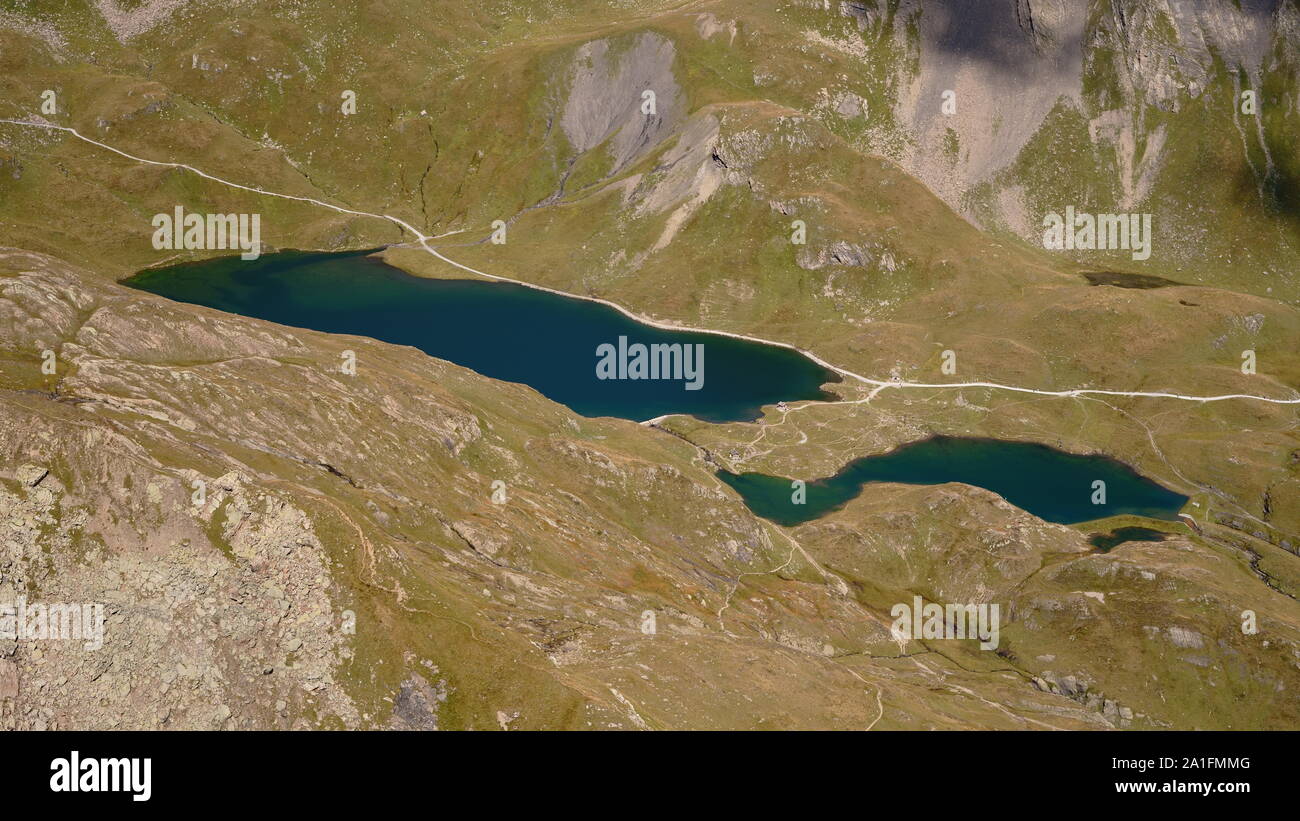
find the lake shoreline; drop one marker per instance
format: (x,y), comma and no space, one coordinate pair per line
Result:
(765,494)
(508,331)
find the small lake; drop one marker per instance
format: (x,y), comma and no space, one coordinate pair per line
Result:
(506,331)
(1049,483)
(1105,542)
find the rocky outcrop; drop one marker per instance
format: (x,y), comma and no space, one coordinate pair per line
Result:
(605,97)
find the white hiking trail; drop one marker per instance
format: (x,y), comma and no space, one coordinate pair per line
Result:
(423,239)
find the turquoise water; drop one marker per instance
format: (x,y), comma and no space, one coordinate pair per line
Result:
(1049,483)
(500,330)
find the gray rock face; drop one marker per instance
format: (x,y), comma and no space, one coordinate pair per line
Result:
(31,475)
(417,704)
(1010,63)
(605,97)
(839,253)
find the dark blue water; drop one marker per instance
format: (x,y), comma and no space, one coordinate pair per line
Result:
(1105,542)
(1049,483)
(500,330)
